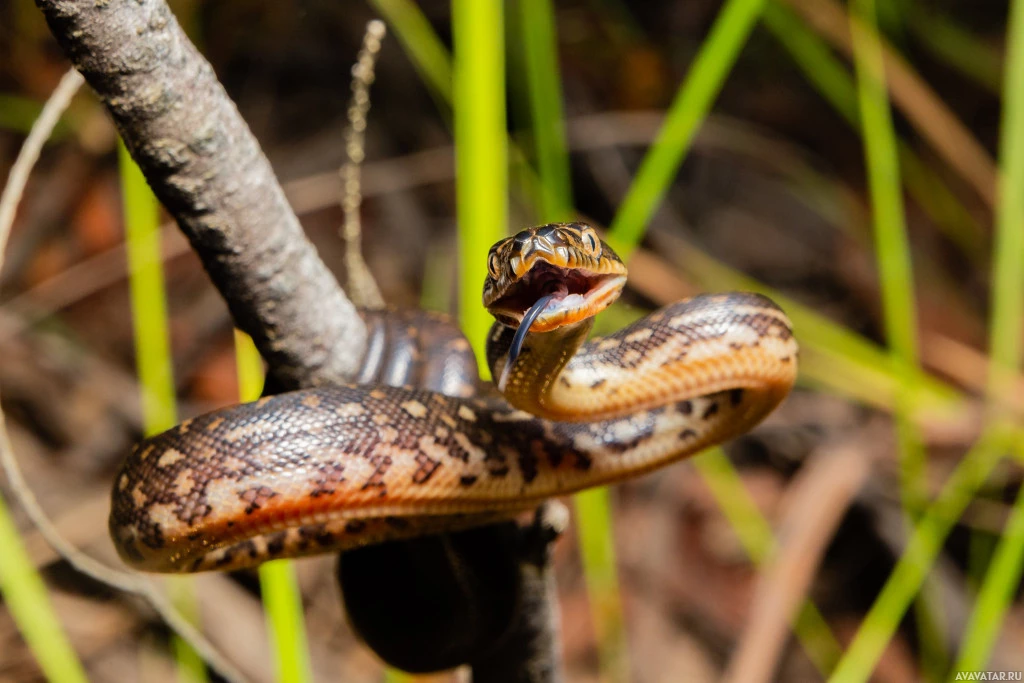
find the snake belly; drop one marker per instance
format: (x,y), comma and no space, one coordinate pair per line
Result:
(336,467)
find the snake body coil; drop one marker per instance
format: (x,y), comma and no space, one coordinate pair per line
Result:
(337,467)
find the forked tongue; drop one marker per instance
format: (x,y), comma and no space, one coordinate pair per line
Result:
(520,336)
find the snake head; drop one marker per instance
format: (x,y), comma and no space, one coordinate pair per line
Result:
(565,264)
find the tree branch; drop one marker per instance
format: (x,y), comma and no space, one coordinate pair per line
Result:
(208,170)
(531,651)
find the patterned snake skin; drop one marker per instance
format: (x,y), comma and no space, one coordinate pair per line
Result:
(331,468)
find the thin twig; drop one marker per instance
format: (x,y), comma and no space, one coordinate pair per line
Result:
(362,286)
(81,562)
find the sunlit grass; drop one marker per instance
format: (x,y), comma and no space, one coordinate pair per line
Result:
(691,105)
(834,82)
(282,601)
(758,540)
(834,357)
(153,360)
(538,40)
(540,46)
(951,43)
(1004,574)
(1006,320)
(481,155)
(896,281)
(25,596)
(148,298)
(997,592)
(918,556)
(22,589)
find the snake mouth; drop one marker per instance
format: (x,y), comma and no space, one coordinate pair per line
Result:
(573,294)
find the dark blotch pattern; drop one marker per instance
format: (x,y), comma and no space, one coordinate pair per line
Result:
(320,435)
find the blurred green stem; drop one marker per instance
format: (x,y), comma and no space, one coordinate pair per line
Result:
(152,351)
(282,600)
(25,597)
(691,104)
(593,508)
(896,281)
(882,620)
(481,154)
(997,590)
(541,47)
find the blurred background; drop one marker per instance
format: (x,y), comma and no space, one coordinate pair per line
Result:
(773,194)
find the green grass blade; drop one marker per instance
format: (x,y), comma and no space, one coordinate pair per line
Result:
(248,367)
(191,668)
(438,279)
(481,154)
(758,540)
(891,243)
(397,676)
(691,104)
(892,249)
(996,594)
(593,508)
(912,568)
(600,571)
(148,298)
(152,347)
(822,69)
(282,601)
(540,45)
(833,81)
(427,52)
(25,597)
(22,589)
(282,604)
(1008,263)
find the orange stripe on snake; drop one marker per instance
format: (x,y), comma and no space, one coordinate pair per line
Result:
(337,467)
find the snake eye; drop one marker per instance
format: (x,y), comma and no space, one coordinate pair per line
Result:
(492,264)
(591,242)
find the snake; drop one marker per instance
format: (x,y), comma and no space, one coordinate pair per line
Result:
(341,466)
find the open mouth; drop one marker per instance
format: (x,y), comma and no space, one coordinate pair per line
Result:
(570,295)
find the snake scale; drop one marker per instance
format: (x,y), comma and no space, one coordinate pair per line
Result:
(338,467)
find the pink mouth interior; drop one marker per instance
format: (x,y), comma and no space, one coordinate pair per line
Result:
(568,288)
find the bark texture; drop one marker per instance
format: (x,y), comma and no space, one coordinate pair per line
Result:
(531,652)
(208,170)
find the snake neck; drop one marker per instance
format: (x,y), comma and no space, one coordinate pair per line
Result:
(697,347)
(339,466)
(539,367)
